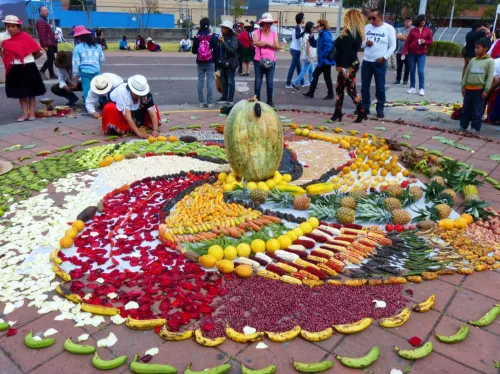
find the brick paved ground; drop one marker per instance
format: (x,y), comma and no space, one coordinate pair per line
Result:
(458,298)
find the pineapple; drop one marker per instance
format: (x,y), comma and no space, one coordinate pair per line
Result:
(348,202)
(472,198)
(394,190)
(258,196)
(435,213)
(400,217)
(416,192)
(391,203)
(443,210)
(281,198)
(439,180)
(477,209)
(345,215)
(358,194)
(470,190)
(301,202)
(433,170)
(322,212)
(450,192)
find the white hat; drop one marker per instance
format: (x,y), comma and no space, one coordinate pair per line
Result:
(12,19)
(101,84)
(138,84)
(227,24)
(5,167)
(149,39)
(267,18)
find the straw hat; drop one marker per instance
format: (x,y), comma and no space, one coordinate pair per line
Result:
(227,24)
(149,39)
(267,18)
(81,30)
(5,167)
(247,24)
(101,84)
(63,60)
(12,19)
(138,84)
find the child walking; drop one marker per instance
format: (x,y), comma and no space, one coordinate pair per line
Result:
(87,58)
(475,86)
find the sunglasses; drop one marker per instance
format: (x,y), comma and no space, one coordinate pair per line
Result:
(372,18)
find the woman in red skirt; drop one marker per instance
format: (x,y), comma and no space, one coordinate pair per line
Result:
(131,107)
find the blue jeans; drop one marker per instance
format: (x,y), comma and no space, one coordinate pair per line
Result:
(86,79)
(259,76)
(295,64)
(472,110)
(413,62)
(228,85)
(308,68)
(208,71)
(369,70)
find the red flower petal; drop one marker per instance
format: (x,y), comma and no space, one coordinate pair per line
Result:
(415,341)
(11,332)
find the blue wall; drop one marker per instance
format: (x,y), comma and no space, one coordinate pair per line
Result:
(70,18)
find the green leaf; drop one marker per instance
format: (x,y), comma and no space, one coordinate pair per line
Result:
(327,121)
(464,147)
(283,117)
(494,157)
(286,120)
(444,140)
(407,136)
(379,128)
(12,148)
(195,117)
(222,115)
(29,146)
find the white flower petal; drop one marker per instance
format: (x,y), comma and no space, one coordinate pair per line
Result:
(112,295)
(8,308)
(107,342)
(247,330)
(152,351)
(396,371)
(37,338)
(117,319)
(261,346)
(50,332)
(83,337)
(379,303)
(100,280)
(131,305)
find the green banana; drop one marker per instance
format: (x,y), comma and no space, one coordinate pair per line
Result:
(415,354)
(30,342)
(221,369)
(267,370)
(78,349)
(460,335)
(4,326)
(361,362)
(313,367)
(140,368)
(488,317)
(100,364)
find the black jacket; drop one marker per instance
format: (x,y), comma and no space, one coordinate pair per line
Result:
(346,50)
(212,42)
(228,50)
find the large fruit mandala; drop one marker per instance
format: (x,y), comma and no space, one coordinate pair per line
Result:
(165,236)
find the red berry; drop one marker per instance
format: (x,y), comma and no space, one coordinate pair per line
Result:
(398,228)
(389,227)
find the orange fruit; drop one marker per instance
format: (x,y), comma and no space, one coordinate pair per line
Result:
(66,242)
(151,139)
(384,172)
(104,163)
(78,225)
(406,173)
(72,233)
(346,170)
(243,271)
(207,261)
(468,218)
(294,126)
(172,139)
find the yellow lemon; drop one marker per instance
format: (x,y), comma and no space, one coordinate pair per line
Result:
(263,186)
(272,245)
(287,177)
(251,186)
(207,261)
(230,179)
(225,266)
(313,221)
(151,139)
(461,223)
(292,235)
(161,138)
(258,245)
(298,231)
(216,251)
(243,250)
(119,157)
(305,132)
(226,187)
(66,242)
(306,227)
(271,183)
(72,233)
(468,218)
(284,241)
(230,252)
(109,159)
(222,177)
(298,131)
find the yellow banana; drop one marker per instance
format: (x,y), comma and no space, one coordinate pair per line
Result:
(286,336)
(144,324)
(426,305)
(54,256)
(200,339)
(169,335)
(317,336)
(397,320)
(355,327)
(100,309)
(61,273)
(63,291)
(238,337)
(319,188)
(291,188)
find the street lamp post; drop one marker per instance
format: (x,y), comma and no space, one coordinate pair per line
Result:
(423,6)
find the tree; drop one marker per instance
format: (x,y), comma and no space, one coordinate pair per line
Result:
(143,11)
(438,11)
(238,8)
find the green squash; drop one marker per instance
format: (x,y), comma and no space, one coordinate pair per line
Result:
(254,144)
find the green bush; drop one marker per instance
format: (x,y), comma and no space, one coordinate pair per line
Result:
(447,49)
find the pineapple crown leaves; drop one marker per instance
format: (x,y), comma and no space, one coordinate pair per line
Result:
(332,199)
(432,191)
(427,213)
(366,211)
(476,208)
(322,211)
(449,169)
(375,199)
(280,198)
(463,178)
(239,193)
(406,198)
(444,198)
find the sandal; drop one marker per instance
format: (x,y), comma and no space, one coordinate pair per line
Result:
(22,119)
(32,119)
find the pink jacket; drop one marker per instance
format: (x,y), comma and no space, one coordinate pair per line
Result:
(411,45)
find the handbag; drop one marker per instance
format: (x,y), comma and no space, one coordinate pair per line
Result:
(265,63)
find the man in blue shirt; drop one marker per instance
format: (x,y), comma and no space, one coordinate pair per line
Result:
(295,48)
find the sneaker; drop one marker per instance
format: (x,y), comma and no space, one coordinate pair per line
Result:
(229,102)
(210,105)
(397,82)
(475,132)
(295,87)
(201,105)
(421,92)
(380,115)
(306,84)
(221,101)
(288,86)
(405,82)
(411,91)
(271,104)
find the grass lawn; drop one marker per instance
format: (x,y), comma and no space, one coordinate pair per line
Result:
(113,46)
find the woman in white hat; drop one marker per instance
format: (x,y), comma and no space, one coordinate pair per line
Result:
(131,106)
(266,43)
(100,86)
(227,61)
(22,78)
(152,46)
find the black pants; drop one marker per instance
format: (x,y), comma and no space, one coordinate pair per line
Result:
(49,64)
(58,91)
(326,70)
(400,64)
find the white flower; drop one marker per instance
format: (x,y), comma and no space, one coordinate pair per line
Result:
(379,303)
(247,330)
(83,337)
(152,351)
(50,332)
(131,305)
(117,319)
(107,342)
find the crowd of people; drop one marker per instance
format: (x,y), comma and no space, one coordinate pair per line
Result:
(129,105)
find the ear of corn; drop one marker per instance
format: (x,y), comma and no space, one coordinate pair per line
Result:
(291,280)
(268,274)
(333,282)
(375,282)
(287,268)
(355,282)
(328,270)
(312,282)
(308,275)
(319,188)
(317,259)
(395,280)
(304,263)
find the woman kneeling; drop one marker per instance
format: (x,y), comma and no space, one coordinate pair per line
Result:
(131,107)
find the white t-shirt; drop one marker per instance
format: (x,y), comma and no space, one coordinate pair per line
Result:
(185,42)
(384,39)
(122,97)
(93,98)
(303,48)
(296,43)
(27,59)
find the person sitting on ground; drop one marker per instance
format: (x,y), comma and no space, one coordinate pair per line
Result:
(140,43)
(99,36)
(476,85)
(131,106)
(100,86)
(185,44)
(152,46)
(67,84)
(124,44)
